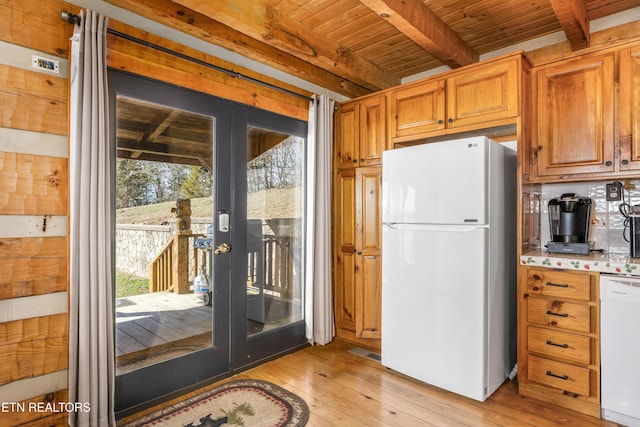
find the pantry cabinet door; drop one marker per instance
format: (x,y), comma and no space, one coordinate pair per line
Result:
(345,249)
(368,252)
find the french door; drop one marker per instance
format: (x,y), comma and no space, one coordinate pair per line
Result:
(267,275)
(209,216)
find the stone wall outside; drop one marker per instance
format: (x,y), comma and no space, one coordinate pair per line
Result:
(138,244)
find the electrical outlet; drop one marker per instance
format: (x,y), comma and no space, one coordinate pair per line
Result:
(45,64)
(614,192)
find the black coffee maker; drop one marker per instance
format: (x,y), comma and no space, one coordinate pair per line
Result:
(570,223)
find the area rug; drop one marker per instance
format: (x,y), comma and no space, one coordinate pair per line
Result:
(248,403)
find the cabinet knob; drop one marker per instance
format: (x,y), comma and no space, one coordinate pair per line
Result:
(440,122)
(450,120)
(359,253)
(355,160)
(608,163)
(625,162)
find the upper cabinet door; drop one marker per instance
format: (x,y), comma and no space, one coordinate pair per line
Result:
(416,110)
(373,130)
(574,115)
(630,108)
(347,135)
(483,94)
(361,132)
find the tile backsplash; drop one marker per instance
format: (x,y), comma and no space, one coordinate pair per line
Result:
(608,222)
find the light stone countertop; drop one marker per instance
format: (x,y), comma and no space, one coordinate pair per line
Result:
(596,261)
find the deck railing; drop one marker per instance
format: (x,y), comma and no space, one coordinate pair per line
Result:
(279,265)
(272,268)
(178,260)
(169,271)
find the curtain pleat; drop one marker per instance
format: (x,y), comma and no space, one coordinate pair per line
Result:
(318,302)
(91,341)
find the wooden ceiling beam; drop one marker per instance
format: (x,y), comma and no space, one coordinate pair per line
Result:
(173,148)
(574,20)
(154,157)
(181,18)
(263,23)
(415,20)
(155,129)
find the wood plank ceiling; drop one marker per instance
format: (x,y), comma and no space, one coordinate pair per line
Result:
(355,47)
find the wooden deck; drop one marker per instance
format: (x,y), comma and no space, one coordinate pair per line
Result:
(159,326)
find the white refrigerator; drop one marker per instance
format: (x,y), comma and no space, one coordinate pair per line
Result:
(449,264)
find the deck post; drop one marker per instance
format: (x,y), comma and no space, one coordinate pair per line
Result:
(180,279)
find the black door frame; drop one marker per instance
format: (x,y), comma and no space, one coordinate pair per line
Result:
(232,350)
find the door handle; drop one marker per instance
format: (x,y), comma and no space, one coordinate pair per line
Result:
(222,248)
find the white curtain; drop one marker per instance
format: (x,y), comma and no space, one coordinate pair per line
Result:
(318,302)
(91,349)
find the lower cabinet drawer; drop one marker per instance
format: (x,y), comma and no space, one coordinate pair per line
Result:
(560,375)
(559,314)
(571,347)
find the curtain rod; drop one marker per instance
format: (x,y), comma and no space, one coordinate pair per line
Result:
(75,20)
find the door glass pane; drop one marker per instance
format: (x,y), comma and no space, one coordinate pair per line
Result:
(275,201)
(164,205)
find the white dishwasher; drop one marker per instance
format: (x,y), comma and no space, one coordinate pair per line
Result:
(620,349)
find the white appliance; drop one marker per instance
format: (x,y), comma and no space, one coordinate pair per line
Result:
(449,264)
(620,349)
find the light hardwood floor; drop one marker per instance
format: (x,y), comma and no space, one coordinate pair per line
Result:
(346,389)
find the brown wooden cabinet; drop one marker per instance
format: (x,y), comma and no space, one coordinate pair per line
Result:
(479,96)
(629,111)
(471,99)
(360,139)
(581,131)
(558,338)
(357,263)
(416,110)
(361,132)
(574,116)
(485,94)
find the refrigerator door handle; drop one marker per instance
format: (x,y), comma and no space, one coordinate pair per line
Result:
(455,228)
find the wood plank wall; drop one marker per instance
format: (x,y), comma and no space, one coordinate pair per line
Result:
(34,192)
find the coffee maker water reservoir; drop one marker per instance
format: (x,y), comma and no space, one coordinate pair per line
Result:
(570,224)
